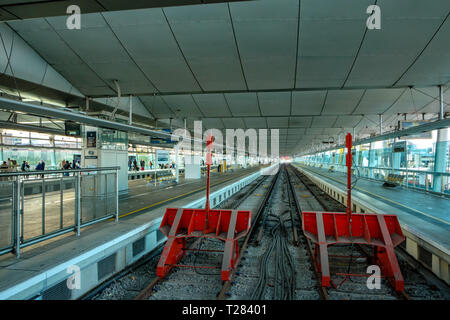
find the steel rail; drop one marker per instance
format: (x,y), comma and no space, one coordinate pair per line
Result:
(227,284)
(148,290)
(322,291)
(401,294)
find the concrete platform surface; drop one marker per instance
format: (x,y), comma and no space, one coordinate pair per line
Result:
(43,262)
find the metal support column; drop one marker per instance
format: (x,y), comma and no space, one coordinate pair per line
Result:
(61,200)
(43,204)
(17,220)
(177,173)
(78,203)
(130,120)
(381,124)
(440,155)
(116,193)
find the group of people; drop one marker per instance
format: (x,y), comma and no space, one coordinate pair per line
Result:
(133,165)
(11,166)
(66,165)
(7,166)
(167,166)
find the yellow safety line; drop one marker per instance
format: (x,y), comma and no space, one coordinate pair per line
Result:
(389,200)
(173,198)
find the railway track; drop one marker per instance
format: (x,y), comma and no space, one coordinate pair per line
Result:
(276,258)
(188,279)
(419,284)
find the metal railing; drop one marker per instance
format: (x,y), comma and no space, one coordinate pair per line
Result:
(39,205)
(413,178)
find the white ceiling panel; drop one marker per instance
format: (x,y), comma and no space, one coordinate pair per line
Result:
(413,100)
(206,38)
(106,49)
(323,121)
(266,33)
(322,72)
(212,105)
(243,104)
(307,102)
(328,41)
(407,9)
(300,122)
(128,75)
(157,106)
(147,37)
(331,131)
(212,123)
(255,122)
(433,65)
(183,105)
(80,75)
(278,122)
(376,101)
(275,103)
(341,101)
(434,105)
(314,131)
(347,121)
(387,53)
(296,131)
(46,41)
(233,123)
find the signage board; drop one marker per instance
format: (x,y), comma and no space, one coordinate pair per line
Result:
(71,128)
(421,135)
(162,156)
(91,139)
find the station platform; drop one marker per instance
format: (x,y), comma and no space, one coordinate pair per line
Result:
(141,196)
(424,217)
(108,247)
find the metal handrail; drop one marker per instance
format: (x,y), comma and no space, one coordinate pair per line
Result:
(408,173)
(18,240)
(388,168)
(35,172)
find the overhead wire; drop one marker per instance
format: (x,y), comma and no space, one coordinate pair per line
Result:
(8,63)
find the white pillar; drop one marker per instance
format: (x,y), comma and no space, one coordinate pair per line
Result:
(130,120)
(381,124)
(177,173)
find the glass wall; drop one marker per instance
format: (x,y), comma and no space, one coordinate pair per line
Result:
(33,147)
(413,157)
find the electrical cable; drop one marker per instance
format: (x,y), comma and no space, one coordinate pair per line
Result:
(8,63)
(113,114)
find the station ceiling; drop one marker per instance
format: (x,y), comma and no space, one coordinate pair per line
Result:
(310,68)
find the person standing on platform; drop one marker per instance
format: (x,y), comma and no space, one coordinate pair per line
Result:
(41,167)
(25,166)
